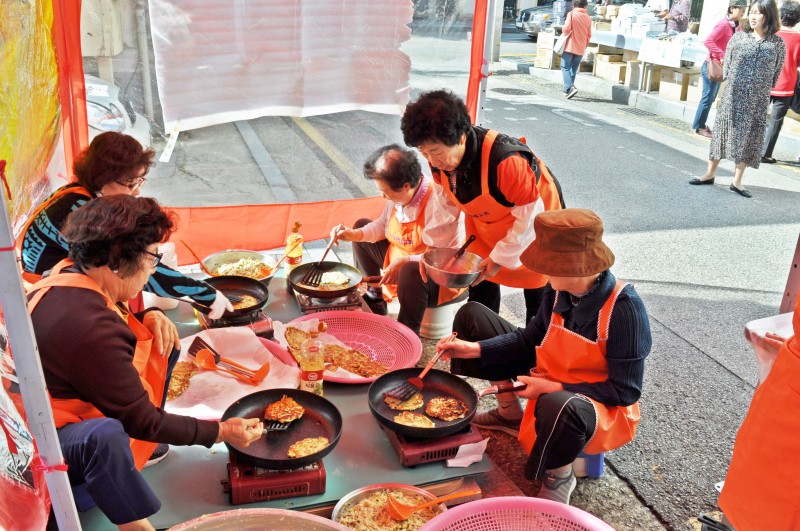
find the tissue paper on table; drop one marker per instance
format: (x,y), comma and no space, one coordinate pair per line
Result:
(211,392)
(307,326)
(468,454)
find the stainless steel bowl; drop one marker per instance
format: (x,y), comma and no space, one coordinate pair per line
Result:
(435,259)
(259,519)
(213,261)
(364,492)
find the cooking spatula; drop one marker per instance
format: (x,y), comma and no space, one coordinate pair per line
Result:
(459,253)
(407,389)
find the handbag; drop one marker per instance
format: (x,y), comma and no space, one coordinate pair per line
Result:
(561,43)
(715,71)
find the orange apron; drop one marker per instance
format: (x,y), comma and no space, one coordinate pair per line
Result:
(566,357)
(405,239)
(762,488)
(150,364)
(490,221)
(64,190)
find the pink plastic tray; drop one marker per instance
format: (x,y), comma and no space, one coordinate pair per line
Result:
(382,339)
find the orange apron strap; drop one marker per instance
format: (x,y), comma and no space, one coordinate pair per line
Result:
(64,190)
(604,319)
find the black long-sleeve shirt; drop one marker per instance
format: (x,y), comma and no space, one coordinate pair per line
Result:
(629,339)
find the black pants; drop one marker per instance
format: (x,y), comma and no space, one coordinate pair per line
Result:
(780,106)
(414,294)
(565,421)
(488,294)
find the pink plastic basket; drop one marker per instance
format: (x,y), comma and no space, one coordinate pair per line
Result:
(515,513)
(382,339)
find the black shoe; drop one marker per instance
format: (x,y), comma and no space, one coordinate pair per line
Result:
(697,181)
(378,306)
(158,455)
(743,193)
(768,160)
(572,92)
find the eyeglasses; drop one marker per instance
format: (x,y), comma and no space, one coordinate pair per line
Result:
(134,185)
(156,257)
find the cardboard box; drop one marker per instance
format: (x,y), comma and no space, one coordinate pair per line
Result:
(612,11)
(634,73)
(546,40)
(608,58)
(693,94)
(547,59)
(614,72)
(599,25)
(669,90)
(630,55)
(601,10)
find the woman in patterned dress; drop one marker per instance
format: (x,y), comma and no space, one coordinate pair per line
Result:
(753,61)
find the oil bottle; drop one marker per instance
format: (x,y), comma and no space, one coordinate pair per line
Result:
(312,364)
(294,249)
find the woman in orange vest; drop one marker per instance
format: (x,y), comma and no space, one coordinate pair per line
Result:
(392,245)
(112,164)
(581,357)
(105,373)
(762,488)
(495,180)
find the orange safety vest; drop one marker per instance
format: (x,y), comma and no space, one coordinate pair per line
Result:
(150,364)
(32,278)
(567,357)
(490,221)
(762,488)
(405,239)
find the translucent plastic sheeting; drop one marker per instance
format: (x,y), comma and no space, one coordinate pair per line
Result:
(223,60)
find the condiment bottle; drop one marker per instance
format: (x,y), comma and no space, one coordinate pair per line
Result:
(312,364)
(294,249)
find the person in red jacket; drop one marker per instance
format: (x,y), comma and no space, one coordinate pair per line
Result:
(579,28)
(783,91)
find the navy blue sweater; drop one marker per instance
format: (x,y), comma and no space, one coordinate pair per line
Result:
(628,344)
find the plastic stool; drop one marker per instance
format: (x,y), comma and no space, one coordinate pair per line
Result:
(438,322)
(589,465)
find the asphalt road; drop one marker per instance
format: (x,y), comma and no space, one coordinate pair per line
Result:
(705,260)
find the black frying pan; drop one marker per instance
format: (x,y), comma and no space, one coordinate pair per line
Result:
(297,274)
(436,384)
(239,286)
(321,419)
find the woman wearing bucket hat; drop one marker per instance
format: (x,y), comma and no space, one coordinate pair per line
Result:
(584,351)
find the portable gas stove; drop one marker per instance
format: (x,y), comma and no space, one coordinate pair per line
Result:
(248,484)
(258,322)
(351,301)
(415,451)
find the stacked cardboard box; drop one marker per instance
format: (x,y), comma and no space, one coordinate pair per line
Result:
(694,91)
(547,59)
(601,25)
(610,68)
(634,73)
(674,83)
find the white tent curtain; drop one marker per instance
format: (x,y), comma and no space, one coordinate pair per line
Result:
(219,61)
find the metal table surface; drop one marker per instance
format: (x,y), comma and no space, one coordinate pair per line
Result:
(188,481)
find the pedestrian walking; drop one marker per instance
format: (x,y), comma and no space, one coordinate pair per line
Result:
(753,61)
(782,93)
(579,28)
(716,42)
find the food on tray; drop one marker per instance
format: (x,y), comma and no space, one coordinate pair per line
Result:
(370,512)
(353,361)
(415,420)
(181,375)
(308,446)
(415,402)
(446,408)
(246,301)
(295,337)
(284,410)
(333,280)
(246,267)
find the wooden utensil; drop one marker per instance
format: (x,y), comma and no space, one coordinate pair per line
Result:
(399,511)
(407,389)
(199,261)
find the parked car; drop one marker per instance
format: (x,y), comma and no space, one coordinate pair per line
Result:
(535,19)
(107,110)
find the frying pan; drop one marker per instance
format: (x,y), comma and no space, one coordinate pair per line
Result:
(436,384)
(321,419)
(300,271)
(235,285)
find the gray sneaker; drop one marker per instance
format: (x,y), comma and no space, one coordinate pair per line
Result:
(557,489)
(492,420)
(572,92)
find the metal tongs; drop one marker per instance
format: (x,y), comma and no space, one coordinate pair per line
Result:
(505,387)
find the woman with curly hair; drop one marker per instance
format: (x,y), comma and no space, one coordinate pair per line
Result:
(112,164)
(106,374)
(753,62)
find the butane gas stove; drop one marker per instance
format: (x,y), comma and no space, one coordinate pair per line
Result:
(248,484)
(415,451)
(258,322)
(351,301)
